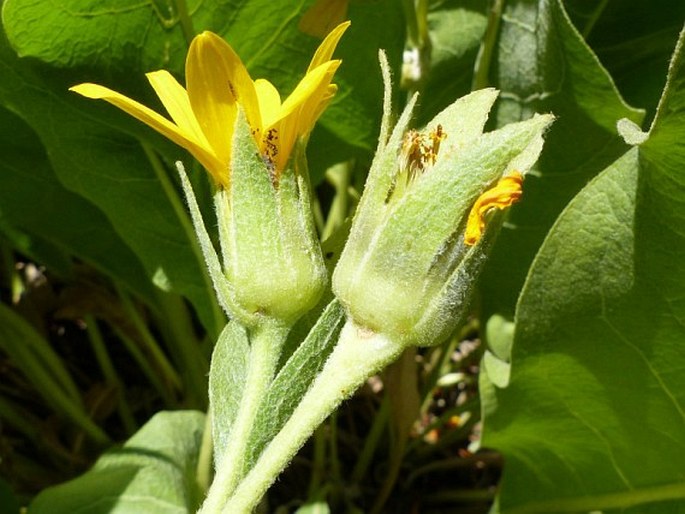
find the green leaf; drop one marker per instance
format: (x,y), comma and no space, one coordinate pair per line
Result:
(634,40)
(110,33)
(227,375)
(594,415)
(118,39)
(545,66)
(355,113)
(64,219)
(154,472)
(453,52)
(294,378)
(114,172)
(499,334)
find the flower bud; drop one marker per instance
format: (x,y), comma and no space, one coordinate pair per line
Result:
(271,254)
(417,244)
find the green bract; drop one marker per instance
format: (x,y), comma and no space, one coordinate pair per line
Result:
(271,255)
(406,271)
(271,270)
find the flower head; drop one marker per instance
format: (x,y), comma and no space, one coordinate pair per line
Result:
(203,114)
(416,244)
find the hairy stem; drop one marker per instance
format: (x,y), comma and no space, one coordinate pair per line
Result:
(358,355)
(266,342)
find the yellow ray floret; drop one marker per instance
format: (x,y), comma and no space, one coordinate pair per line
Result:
(203,113)
(506,192)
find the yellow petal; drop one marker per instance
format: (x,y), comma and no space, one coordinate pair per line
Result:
(217,78)
(331,90)
(214,77)
(175,100)
(311,89)
(506,192)
(327,46)
(321,17)
(301,109)
(269,101)
(159,123)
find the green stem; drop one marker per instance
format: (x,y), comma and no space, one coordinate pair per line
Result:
(317,214)
(109,372)
(187,226)
(358,355)
(145,367)
(61,402)
(204,462)
(487,47)
(186,20)
(46,358)
(445,351)
(29,425)
(266,342)
(185,348)
(422,23)
(418,47)
(379,423)
(594,17)
(149,344)
(29,349)
(318,463)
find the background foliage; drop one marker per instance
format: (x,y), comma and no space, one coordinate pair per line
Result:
(583,396)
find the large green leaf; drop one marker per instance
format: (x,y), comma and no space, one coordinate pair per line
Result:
(65,219)
(545,66)
(594,415)
(112,171)
(119,39)
(154,472)
(634,40)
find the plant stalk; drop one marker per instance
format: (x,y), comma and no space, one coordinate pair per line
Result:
(109,372)
(358,355)
(266,342)
(487,47)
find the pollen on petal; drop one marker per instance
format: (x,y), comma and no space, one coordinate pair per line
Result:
(505,193)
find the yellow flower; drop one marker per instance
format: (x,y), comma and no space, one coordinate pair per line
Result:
(217,82)
(506,192)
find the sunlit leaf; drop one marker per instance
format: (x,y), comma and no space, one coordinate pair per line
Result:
(154,472)
(594,415)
